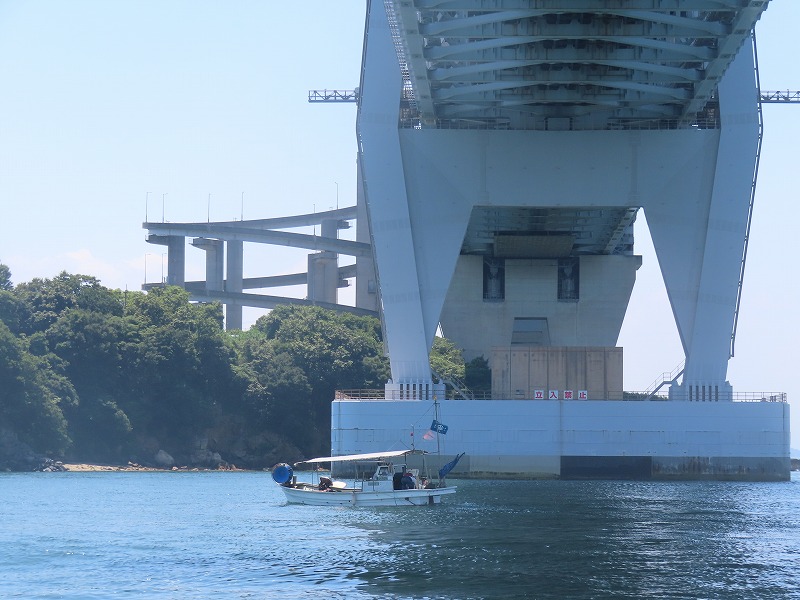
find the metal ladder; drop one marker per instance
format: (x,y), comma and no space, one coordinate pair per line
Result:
(752,201)
(459,387)
(664,379)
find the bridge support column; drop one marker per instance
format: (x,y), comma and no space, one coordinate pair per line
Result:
(323,277)
(405,329)
(323,268)
(176,256)
(215,266)
(366,277)
(700,243)
(234,283)
(176,261)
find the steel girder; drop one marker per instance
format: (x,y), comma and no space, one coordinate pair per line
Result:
(577,64)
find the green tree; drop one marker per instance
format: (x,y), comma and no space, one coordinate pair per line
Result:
(46,299)
(178,366)
(88,343)
(5,278)
(446,360)
(12,310)
(31,396)
(335,351)
(277,395)
(478,375)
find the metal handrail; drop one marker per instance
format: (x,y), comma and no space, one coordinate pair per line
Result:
(378,395)
(628,125)
(751,203)
(665,378)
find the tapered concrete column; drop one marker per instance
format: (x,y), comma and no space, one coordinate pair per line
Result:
(233,283)
(323,268)
(215,267)
(176,256)
(381,161)
(176,260)
(330,228)
(366,277)
(323,277)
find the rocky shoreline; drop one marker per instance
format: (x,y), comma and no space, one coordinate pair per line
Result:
(58,466)
(48,465)
(16,456)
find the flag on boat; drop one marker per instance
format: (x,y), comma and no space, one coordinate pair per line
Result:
(438,427)
(428,435)
(449,466)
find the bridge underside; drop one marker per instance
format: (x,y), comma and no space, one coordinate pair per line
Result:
(506,148)
(574,64)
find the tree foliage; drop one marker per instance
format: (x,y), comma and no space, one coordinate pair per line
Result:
(96,374)
(447,361)
(32,394)
(334,351)
(5,278)
(478,375)
(46,299)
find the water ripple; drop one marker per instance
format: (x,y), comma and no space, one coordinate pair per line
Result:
(198,535)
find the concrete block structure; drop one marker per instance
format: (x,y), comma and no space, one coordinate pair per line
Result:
(557,373)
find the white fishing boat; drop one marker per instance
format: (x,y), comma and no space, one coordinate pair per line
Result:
(390,483)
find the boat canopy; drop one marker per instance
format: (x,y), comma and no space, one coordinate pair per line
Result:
(368,456)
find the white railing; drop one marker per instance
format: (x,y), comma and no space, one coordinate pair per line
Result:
(366,394)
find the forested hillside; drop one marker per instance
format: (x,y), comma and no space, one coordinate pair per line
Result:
(90,374)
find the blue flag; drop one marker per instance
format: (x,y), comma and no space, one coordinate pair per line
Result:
(449,466)
(438,427)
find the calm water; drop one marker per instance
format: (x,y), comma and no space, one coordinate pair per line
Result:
(230,535)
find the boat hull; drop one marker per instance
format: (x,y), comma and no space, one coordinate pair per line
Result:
(350,497)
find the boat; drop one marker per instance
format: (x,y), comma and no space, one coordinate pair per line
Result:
(391,483)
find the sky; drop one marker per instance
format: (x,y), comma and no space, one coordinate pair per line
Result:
(112,113)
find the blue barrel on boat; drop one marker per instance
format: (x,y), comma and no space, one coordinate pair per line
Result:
(282,473)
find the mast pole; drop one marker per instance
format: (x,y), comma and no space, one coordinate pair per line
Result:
(438,435)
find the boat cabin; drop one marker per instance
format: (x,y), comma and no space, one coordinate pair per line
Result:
(390,476)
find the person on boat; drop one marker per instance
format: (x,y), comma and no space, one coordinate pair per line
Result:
(408,482)
(325,484)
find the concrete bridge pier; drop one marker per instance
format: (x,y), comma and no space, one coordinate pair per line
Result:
(215,255)
(551,203)
(176,256)
(234,283)
(323,277)
(323,267)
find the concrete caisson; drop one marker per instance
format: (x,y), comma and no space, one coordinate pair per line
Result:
(579,440)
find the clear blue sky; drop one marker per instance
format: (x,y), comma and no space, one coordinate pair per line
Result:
(102,102)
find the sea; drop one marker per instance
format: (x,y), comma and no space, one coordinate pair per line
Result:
(232,535)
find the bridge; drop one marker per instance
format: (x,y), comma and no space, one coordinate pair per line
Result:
(586,64)
(507,147)
(223,243)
